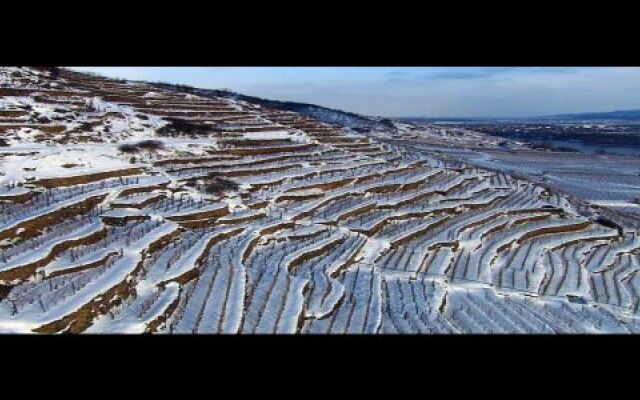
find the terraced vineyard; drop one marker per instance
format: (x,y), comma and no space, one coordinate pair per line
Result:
(127,208)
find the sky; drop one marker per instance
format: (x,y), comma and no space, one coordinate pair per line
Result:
(417,91)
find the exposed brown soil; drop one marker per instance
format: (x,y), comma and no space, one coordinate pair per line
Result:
(25,271)
(79,320)
(33,227)
(82,179)
(220,212)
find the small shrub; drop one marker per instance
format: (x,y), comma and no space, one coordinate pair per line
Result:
(148,145)
(91,107)
(215,183)
(128,148)
(54,72)
(542,146)
(219,186)
(184,127)
(566,150)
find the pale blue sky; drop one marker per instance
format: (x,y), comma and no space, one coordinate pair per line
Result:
(417,91)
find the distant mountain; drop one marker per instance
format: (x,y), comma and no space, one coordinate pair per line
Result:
(623,115)
(626,115)
(324,114)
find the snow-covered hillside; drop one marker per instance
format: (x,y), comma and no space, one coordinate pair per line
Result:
(133,207)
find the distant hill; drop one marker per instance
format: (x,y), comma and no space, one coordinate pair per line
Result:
(627,115)
(623,115)
(324,114)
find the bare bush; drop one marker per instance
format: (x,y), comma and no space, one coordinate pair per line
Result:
(128,148)
(148,145)
(184,127)
(219,185)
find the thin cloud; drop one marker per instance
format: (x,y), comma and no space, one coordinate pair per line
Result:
(463,73)
(459,75)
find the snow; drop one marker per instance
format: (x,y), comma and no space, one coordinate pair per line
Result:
(478,271)
(55,162)
(31,318)
(293,307)
(42,252)
(13,191)
(267,135)
(131,323)
(137,199)
(123,213)
(372,249)
(188,261)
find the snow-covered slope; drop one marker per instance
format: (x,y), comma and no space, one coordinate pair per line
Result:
(137,208)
